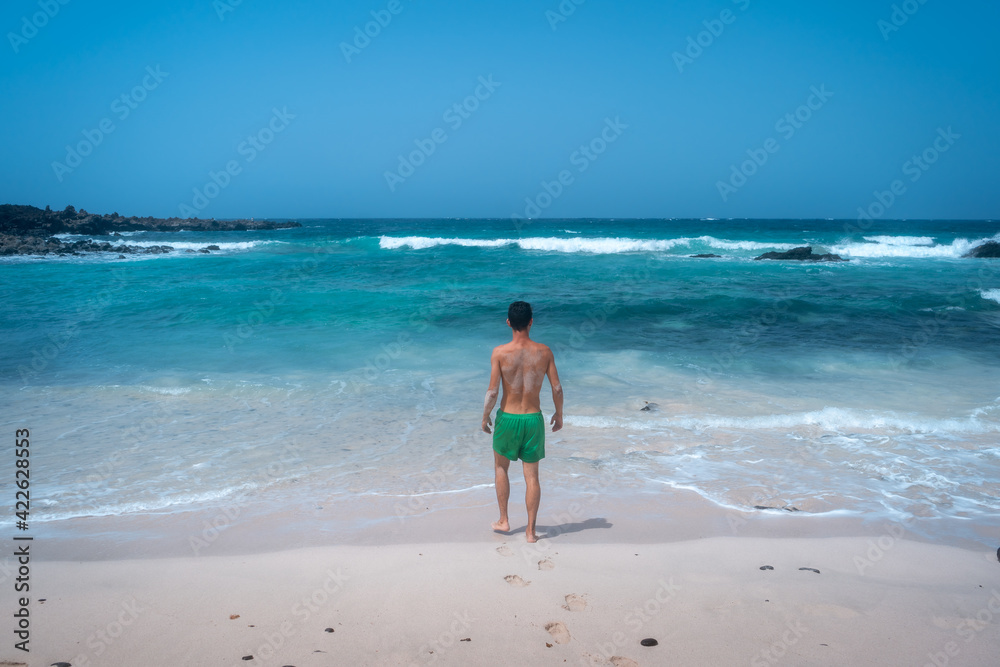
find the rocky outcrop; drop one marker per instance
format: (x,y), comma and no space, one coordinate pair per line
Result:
(990,249)
(802,255)
(27,230)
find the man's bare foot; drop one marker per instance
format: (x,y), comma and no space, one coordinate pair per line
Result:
(502,526)
(532,537)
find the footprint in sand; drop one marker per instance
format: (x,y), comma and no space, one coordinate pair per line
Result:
(504,550)
(516,581)
(558,631)
(574,603)
(546,564)
(619,661)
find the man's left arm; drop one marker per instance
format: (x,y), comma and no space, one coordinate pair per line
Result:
(493,392)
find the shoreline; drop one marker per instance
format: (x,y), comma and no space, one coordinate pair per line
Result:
(255,528)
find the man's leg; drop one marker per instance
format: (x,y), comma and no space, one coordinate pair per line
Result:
(532,497)
(500,465)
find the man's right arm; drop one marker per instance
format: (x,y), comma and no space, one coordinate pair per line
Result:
(557,393)
(492,392)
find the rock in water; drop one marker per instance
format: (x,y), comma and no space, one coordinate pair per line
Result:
(804,254)
(989,249)
(706,256)
(998,554)
(649,407)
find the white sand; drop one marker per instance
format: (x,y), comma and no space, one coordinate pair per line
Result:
(706,601)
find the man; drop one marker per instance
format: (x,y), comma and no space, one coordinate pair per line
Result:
(521,365)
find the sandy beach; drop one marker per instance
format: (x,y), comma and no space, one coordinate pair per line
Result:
(586,595)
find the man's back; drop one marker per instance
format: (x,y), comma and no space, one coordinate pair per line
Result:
(523,367)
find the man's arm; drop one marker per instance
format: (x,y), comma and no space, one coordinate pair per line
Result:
(557,393)
(492,392)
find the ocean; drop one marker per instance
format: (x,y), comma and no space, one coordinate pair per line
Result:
(348,359)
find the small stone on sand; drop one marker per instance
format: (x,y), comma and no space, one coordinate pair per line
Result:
(248,657)
(766,567)
(649,641)
(467,639)
(233,617)
(809,569)
(329,630)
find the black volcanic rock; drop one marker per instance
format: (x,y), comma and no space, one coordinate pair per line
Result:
(989,249)
(804,254)
(27,230)
(706,256)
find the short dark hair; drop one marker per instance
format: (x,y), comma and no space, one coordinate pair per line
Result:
(519,314)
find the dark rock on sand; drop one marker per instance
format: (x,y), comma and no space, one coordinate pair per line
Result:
(989,249)
(804,254)
(649,407)
(248,657)
(706,256)
(329,630)
(61,664)
(766,567)
(809,569)
(649,641)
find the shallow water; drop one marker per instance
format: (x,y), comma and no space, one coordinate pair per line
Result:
(351,357)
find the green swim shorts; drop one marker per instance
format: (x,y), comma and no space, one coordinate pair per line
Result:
(520,436)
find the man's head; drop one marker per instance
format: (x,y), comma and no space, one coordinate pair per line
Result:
(519,315)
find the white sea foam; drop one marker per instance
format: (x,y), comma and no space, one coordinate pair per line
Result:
(832,419)
(901,240)
(991,294)
(897,248)
(167,241)
(597,245)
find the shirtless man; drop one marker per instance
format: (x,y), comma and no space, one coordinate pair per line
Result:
(521,365)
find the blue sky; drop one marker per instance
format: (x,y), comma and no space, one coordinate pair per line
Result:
(594,95)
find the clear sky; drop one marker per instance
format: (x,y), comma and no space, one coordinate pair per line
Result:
(642,109)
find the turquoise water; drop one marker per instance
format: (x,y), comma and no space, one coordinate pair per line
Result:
(164,383)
